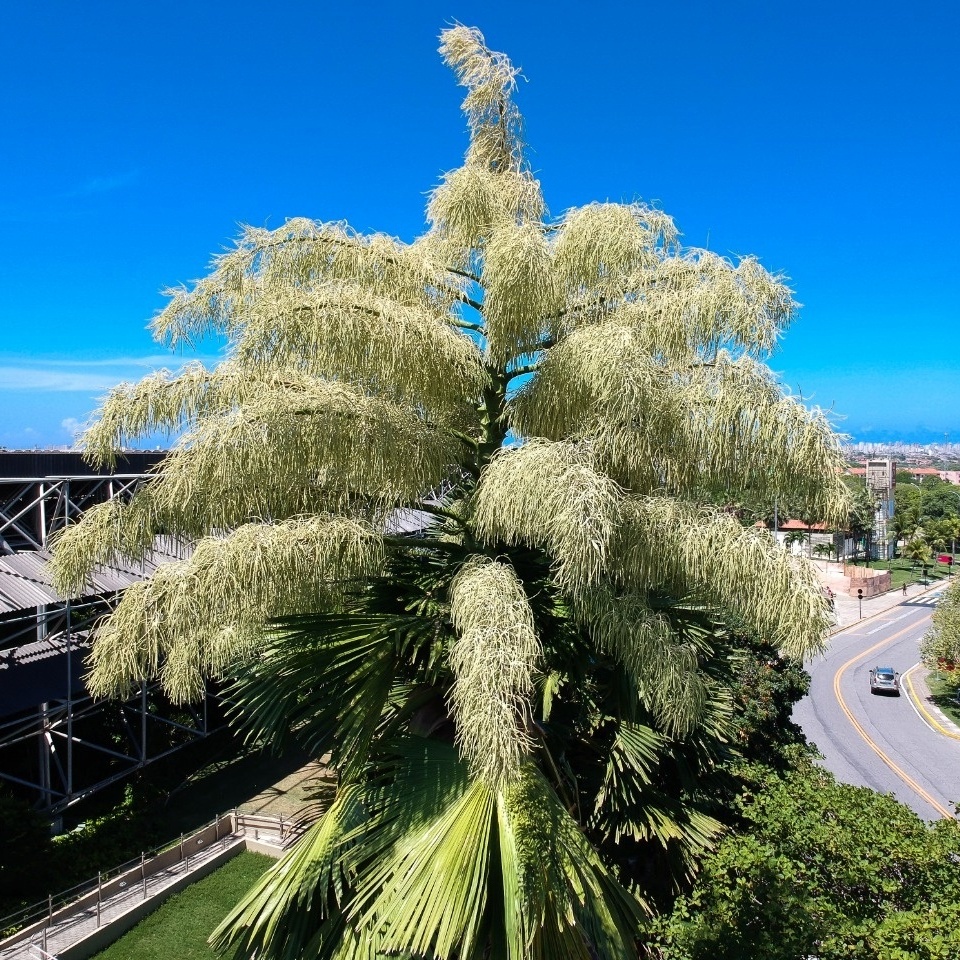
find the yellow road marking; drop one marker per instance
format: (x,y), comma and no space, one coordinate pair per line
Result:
(931,719)
(905,777)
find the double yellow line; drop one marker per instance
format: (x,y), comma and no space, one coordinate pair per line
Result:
(905,777)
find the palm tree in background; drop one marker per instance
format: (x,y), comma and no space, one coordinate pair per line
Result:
(824,551)
(794,537)
(902,526)
(449,503)
(918,551)
(951,528)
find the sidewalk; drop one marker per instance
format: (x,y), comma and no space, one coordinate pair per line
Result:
(88,924)
(914,684)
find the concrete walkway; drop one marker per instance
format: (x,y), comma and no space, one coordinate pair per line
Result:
(89,924)
(69,930)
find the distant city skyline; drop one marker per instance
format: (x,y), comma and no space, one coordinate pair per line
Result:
(822,138)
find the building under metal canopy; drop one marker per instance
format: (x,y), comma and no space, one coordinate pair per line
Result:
(56,744)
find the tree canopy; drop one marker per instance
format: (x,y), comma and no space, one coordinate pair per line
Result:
(450,511)
(940,648)
(822,869)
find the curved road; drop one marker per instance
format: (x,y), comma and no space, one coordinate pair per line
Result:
(880,741)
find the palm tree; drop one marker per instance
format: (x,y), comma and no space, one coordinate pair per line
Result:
(952,527)
(937,535)
(919,552)
(794,537)
(902,525)
(449,504)
(823,550)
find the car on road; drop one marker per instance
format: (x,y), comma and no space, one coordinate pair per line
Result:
(885,680)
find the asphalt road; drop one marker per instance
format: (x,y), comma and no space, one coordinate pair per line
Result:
(880,741)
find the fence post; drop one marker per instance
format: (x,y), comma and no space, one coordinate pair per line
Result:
(99,893)
(281,829)
(49,908)
(216,828)
(143,873)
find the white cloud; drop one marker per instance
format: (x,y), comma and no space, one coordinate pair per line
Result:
(36,378)
(73,427)
(83,376)
(105,184)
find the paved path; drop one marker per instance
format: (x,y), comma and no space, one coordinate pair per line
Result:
(75,923)
(68,929)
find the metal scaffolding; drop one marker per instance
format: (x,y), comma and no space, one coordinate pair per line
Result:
(56,742)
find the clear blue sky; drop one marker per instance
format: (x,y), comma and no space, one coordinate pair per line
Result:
(822,137)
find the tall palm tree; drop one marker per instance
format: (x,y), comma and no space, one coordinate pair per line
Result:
(952,527)
(902,525)
(449,503)
(918,551)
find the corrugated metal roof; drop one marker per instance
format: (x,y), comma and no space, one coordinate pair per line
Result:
(26,581)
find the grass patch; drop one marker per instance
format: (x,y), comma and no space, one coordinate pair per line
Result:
(944,695)
(179,928)
(905,571)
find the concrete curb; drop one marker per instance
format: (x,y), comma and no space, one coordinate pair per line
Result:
(918,693)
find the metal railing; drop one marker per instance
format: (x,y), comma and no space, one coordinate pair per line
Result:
(76,912)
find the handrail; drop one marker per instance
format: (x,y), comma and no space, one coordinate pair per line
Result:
(32,913)
(43,953)
(274,829)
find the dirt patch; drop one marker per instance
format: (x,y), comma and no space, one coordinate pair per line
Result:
(290,795)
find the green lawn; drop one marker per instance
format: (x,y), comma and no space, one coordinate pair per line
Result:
(904,571)
(179,928)
(944,696)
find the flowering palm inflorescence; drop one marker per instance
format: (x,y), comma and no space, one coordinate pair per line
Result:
(521,700)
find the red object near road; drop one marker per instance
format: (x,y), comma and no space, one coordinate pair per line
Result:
(945,558)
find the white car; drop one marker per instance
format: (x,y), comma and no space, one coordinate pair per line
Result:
(885,680)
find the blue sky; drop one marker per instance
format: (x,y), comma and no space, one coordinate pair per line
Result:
(822,137)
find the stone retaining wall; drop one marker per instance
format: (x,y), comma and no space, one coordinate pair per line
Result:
(871,582)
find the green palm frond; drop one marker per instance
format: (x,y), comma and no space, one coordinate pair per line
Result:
(431,895)
(571,905)
(325,677)
(295,905)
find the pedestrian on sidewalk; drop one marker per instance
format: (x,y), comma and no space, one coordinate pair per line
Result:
(904,589)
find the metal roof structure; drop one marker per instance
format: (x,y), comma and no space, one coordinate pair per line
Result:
(51,741)
(26,582)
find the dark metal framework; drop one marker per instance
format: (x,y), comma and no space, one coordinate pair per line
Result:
(44,639)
